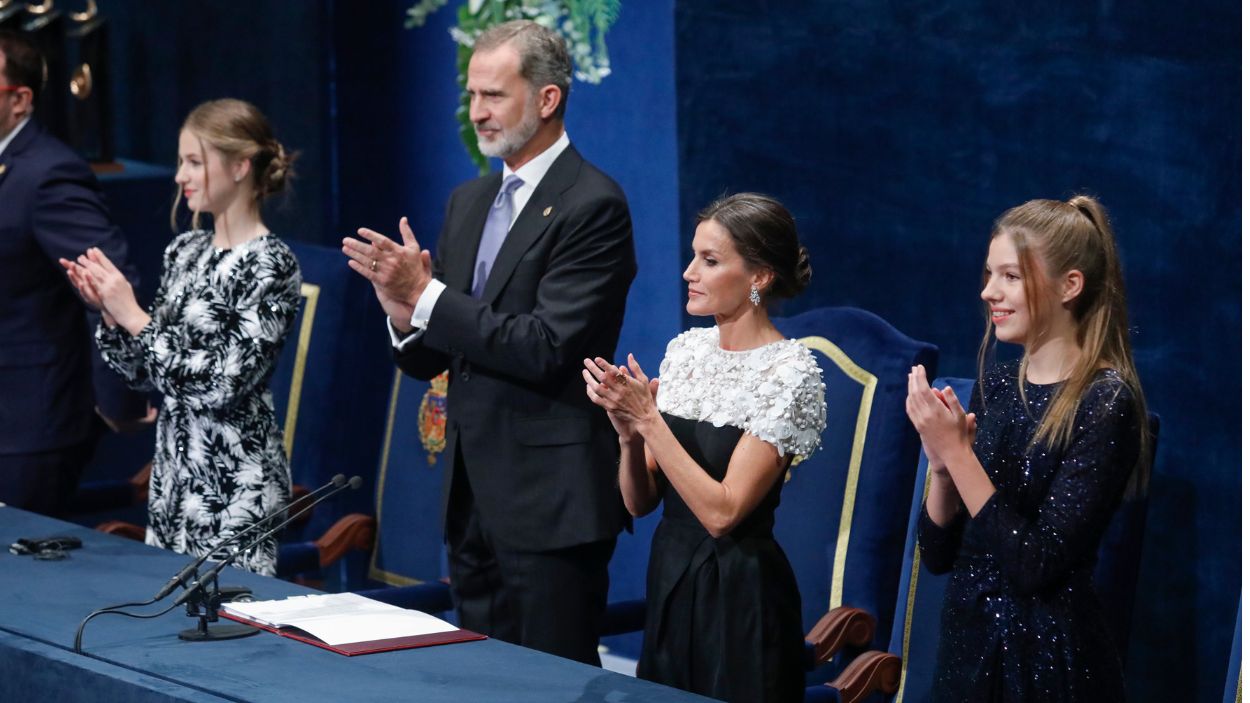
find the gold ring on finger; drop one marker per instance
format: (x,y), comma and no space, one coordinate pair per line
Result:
(373,265)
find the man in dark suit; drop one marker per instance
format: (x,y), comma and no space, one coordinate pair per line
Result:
(50,207)
(531,276)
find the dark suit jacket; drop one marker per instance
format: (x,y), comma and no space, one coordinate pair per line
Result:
(539,456)
(50,207)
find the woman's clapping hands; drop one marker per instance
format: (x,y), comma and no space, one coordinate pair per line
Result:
(940,419)
(103,287)
(626,393)
(82,282)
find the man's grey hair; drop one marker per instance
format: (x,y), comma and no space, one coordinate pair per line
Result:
(544,56)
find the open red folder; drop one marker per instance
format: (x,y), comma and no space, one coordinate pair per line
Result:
(347,623)
(367,647)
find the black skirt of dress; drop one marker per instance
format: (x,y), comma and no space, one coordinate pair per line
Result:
(723,615)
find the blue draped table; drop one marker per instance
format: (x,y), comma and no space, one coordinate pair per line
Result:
(41,603)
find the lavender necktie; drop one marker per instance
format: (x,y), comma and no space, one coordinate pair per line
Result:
(497,223)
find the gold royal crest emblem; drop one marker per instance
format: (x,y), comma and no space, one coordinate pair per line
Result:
(432,419)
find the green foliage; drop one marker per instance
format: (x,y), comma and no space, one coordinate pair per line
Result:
(584,25)
(419,12)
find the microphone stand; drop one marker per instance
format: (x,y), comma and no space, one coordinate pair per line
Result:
(203,598)
(205,609)
(190,571)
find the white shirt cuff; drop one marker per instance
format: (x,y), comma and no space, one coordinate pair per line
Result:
(424,308)
(420,315)
(397,341)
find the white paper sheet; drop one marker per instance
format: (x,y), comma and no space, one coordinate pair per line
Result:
(340,618)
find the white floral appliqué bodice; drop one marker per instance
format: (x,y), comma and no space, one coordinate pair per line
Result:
(773,392)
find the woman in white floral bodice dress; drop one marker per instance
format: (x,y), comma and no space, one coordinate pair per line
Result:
(712,438)
(227,299)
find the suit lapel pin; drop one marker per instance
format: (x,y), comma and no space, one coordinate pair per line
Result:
(546,213)
(5,167)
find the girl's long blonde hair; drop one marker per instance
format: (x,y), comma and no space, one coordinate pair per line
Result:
(1052,237)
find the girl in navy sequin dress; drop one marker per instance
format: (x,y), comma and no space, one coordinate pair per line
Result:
(1023,486)
(227,299)
(735,403)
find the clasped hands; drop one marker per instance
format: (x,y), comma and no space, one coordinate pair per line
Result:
(399,272)
(945,428)
(625,392)
(104,288)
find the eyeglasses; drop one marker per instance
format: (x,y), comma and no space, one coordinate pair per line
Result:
(10,88)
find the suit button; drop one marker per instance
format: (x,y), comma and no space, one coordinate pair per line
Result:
(464,375)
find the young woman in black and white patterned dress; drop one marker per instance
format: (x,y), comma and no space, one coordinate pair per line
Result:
(227,299)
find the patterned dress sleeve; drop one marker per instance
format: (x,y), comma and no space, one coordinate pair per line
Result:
(122,351)
(939,544)
(242,332)
(1035,553)
(791,411)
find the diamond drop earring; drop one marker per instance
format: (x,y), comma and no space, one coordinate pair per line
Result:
(755,296)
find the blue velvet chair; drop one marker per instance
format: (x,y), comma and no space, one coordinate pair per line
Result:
(1232,685)
(328,387)
(409,551)
(352,533)
(842,520)
(905,671)
(331,380)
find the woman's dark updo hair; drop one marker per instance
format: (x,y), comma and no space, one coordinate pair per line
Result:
(764,234)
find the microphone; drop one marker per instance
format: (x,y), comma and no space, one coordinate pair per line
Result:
(211,574)
(180,579)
